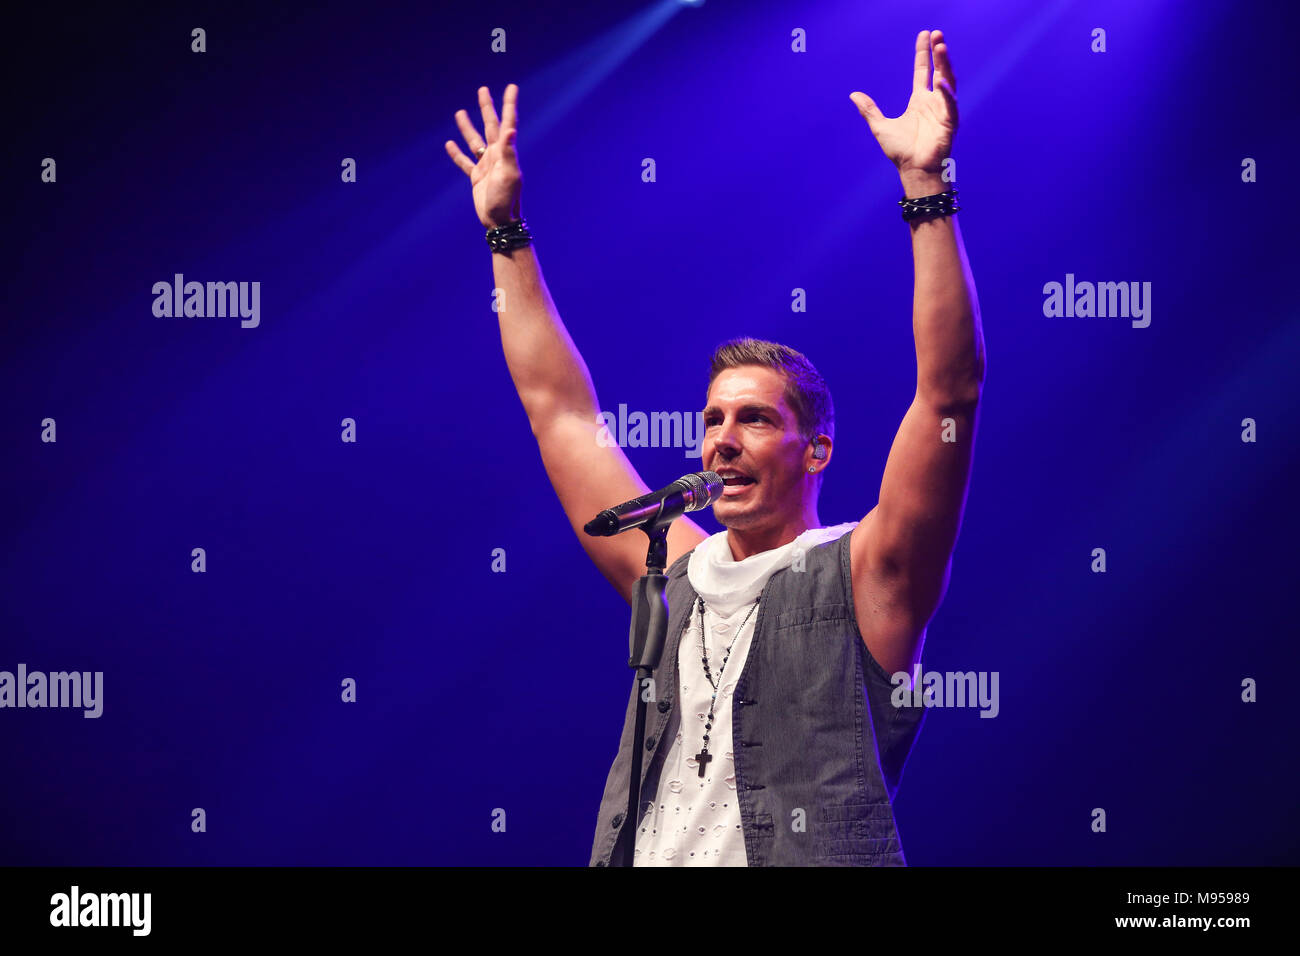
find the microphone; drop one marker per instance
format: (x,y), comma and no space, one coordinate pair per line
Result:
(689,493)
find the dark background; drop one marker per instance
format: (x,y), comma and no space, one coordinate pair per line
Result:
(481,690)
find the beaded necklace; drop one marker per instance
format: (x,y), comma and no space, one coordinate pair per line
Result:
(703,757)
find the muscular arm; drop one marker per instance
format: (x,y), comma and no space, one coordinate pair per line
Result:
(548,372)
(901,552)
(560,401)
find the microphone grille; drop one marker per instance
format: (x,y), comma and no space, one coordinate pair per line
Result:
(705,488)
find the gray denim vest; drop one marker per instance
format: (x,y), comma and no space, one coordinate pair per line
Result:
(819,749)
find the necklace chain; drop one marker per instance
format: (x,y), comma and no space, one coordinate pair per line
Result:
(704,659)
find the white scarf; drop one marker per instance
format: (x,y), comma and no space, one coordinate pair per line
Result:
(727,585)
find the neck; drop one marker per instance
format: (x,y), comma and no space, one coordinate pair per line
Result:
(746,542)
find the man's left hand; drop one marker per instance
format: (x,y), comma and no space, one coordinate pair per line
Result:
(920,140)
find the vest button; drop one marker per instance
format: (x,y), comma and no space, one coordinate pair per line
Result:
(618,818)
(650,743)
(663,706)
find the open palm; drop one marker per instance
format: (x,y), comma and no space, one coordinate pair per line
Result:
(494,176)
(921,138)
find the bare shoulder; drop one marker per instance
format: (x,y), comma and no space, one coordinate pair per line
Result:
(888,626)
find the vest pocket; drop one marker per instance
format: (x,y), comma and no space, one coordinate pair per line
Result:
(856,833)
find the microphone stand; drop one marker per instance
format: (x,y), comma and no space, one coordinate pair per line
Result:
(646,637)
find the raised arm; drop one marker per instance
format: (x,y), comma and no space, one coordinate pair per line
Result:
(901,552)
(552,379)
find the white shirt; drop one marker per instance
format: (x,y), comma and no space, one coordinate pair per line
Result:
(695,821)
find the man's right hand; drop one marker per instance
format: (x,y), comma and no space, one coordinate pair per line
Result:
(495,177)
(588,474)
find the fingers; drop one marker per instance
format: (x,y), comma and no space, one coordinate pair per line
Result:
(949,97)
(472,138)
(867,107)
(491,124)
(509,113)
(921,63)
(942,62)
(459,158)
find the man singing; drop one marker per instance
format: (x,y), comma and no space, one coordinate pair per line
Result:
(772,740)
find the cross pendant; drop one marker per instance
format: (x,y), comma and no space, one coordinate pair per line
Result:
(703,757)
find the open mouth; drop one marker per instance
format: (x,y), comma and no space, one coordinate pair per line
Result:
(736,484)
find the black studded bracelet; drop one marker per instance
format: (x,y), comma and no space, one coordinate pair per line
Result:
(510,236)
(943,204)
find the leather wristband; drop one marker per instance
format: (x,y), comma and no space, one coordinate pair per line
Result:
(510,236)
(943,204)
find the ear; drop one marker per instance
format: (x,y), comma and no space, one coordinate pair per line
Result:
(821,451)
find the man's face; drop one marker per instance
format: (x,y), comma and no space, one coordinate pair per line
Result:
(750,431)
